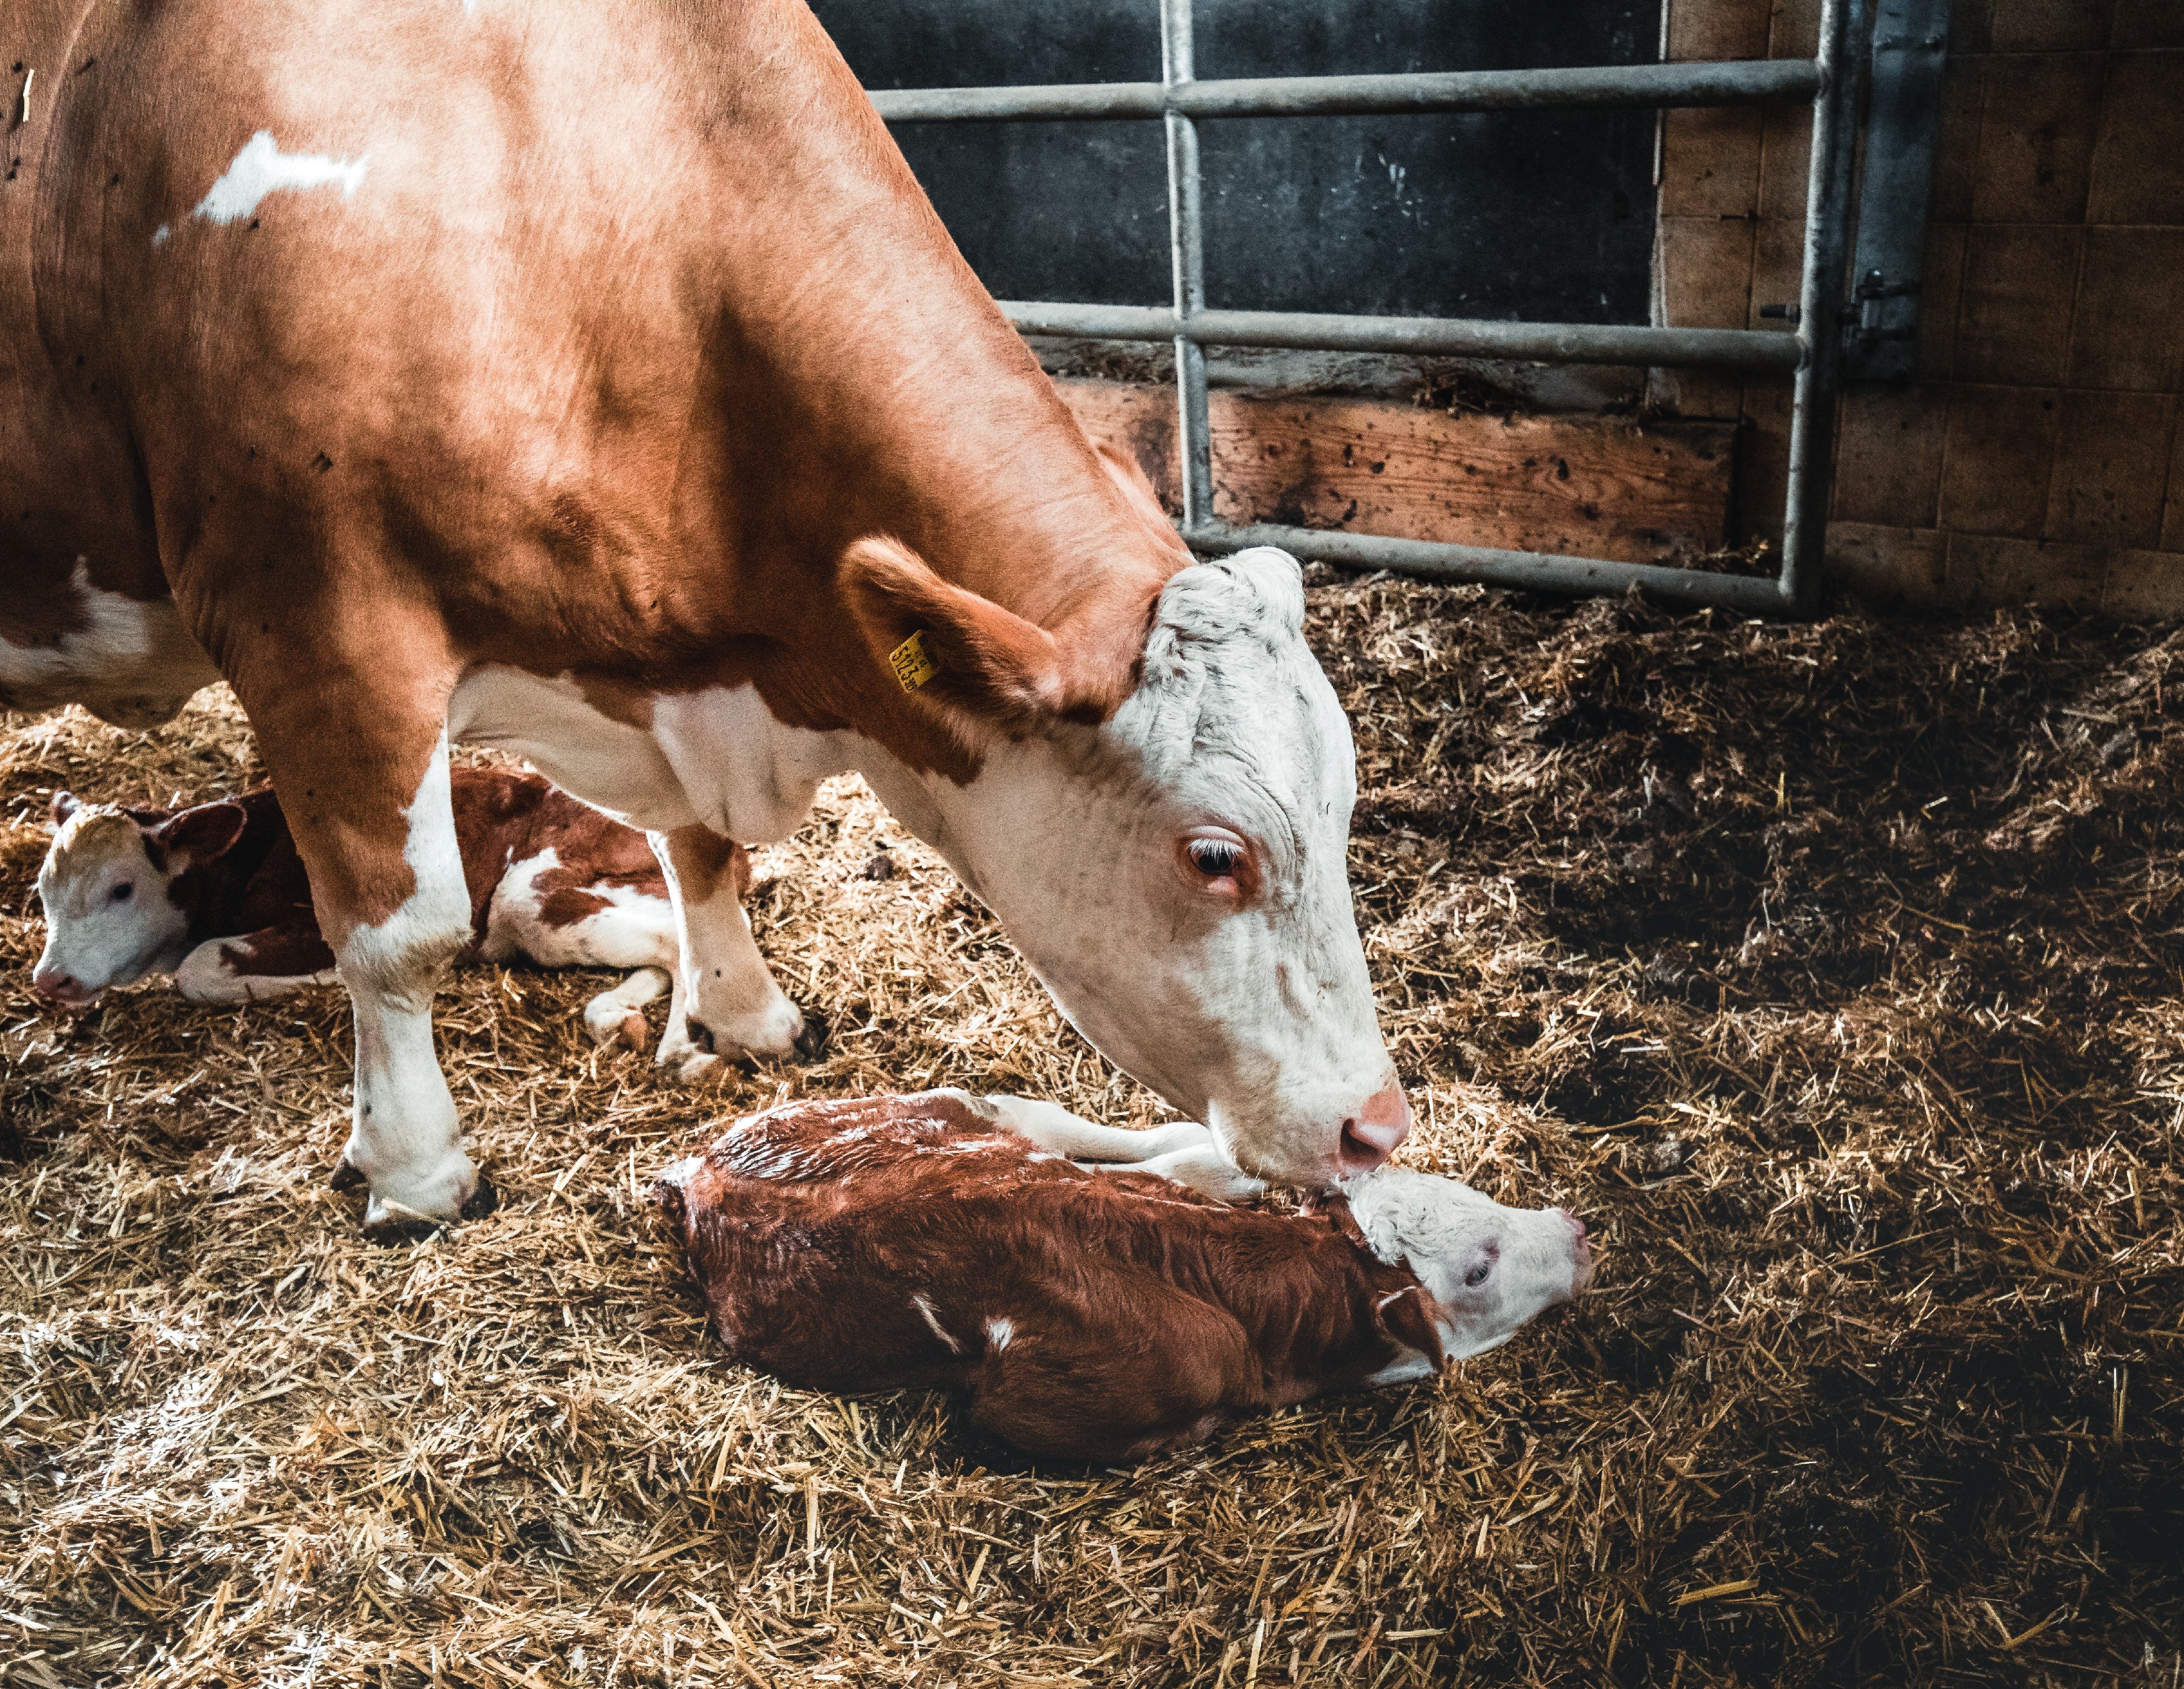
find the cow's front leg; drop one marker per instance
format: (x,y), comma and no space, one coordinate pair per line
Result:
(365,793)
(725,1001)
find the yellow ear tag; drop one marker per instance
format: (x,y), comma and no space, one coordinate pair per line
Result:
(912,663)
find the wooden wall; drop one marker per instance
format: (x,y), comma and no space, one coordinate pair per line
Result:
(2038,454)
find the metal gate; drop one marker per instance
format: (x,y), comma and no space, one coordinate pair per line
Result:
(1808,356)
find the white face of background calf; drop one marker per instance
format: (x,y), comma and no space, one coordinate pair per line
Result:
(1178,878)
(1491,1268)
(107,919)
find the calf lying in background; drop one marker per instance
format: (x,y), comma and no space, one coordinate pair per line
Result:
(945,1241)
(218,896)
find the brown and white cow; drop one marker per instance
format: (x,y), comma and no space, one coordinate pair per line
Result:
(217,896)
(595,379)
(944,1240)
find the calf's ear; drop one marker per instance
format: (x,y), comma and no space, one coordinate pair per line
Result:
(1407,1318)
(990,670)
(66,804)
(197,836)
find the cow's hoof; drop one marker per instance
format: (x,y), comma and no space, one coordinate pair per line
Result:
(346,1176)
(630,1034)
(402,1227)
(482,1200)
(701,1069)
(811,1044)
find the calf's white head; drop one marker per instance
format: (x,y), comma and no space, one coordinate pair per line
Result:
(1177,874)
(106,889)
(1491,1269)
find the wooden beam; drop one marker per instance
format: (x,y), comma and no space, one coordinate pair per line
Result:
(1586,486)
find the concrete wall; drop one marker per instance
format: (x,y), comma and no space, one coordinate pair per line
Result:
(1496,214)
(2037,455)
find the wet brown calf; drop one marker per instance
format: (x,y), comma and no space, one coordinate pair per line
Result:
(927,1241)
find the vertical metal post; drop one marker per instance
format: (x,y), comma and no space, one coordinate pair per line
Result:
(1843,26)
(1187,243)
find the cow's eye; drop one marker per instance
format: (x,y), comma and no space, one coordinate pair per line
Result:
(1477,1275)
(122,893)
(1215,858)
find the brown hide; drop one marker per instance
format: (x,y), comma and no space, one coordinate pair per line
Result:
(1139,1315)
(635,322)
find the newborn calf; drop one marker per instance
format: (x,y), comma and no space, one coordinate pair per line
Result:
(946,1240)
(218,896)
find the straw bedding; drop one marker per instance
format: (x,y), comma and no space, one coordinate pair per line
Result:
(1831,971)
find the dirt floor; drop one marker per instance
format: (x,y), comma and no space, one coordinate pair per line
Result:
(1831,971)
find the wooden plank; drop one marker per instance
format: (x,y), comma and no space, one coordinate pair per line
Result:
(1588,486)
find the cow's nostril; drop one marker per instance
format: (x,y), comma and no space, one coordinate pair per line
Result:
(1372,1135)
(55,984)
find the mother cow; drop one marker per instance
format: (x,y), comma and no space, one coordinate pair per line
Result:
(595,379)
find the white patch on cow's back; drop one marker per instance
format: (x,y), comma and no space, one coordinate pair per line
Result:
(262,168)
(933,1320)
(999,1332)
(132,663)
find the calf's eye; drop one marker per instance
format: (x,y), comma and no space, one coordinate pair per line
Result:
(122,893)
(1477,1275)
(1215,858)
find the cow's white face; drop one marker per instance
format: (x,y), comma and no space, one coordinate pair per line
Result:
(1179,879)
(108,919)
(1491,1268)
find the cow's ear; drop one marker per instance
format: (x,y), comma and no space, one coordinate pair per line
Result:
(197,836)
(65,805)
(1407,1318)
(987,667)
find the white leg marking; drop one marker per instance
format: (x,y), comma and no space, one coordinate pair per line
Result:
(721,981)
(262,168)
(619,1013)
(1185,1152)
(1054,1128)
(206,977)
(1204,1169)
(405,1137)
(933,1320)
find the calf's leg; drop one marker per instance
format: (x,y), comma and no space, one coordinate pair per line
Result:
(1184,1152)
(618,1016)
(273,961)
(559,919)
(725,1002)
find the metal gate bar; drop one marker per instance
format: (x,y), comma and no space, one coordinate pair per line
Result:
(1179,100)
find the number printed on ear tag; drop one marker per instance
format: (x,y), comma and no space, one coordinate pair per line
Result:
(912,663)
